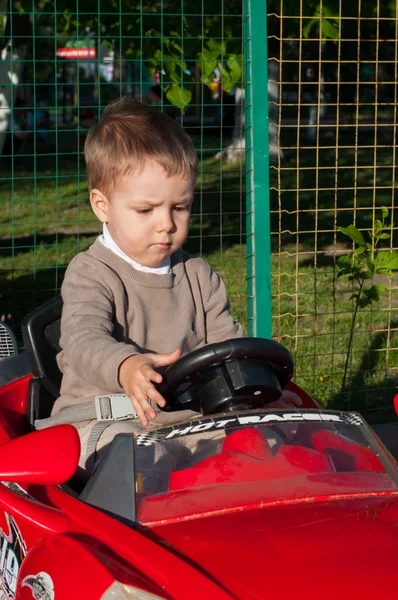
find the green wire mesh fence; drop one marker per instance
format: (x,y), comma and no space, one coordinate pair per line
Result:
(333,74)
(62,62)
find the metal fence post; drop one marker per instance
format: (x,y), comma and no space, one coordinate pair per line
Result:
(257,169)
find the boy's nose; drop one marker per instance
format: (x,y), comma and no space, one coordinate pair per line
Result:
(167,224)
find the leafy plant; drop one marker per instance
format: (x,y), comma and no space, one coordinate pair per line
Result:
(215,55)
(362,264)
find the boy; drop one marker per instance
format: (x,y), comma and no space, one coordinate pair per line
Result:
(134,301)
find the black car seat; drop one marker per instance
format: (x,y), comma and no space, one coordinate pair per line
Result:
(41,330)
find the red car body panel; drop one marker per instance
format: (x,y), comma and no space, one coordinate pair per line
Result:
(59,513)
(132,547)
(246,542)
(60,462)
(13,402)
(344,548)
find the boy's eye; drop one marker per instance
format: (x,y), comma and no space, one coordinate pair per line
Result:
(181,207)
(144,211)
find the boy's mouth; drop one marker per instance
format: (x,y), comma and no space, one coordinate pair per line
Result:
(162,245)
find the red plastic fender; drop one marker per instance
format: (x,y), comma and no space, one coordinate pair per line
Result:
(26,510)
(47,457)
(65,568)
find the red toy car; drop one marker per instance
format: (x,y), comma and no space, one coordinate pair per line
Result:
(249,503)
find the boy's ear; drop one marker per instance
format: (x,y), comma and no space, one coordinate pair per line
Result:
(99,203)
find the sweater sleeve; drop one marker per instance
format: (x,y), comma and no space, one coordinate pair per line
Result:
(87,326)
(220,324)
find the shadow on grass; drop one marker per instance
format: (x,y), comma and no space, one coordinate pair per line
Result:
(303,208)
(336,178)
(25,282)
(23,244)
(374,401)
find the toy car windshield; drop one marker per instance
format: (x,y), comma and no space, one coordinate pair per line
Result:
(234,460)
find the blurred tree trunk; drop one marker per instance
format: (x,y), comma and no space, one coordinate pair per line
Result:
(237,147)
(13,50)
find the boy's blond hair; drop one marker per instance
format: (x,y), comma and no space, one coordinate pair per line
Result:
(129,134)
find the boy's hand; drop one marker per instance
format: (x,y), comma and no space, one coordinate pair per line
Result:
(287,400)
(135,376)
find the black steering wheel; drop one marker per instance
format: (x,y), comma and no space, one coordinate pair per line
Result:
(237,374)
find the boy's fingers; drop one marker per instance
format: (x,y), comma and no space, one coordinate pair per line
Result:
(144,408)
(291,398)
(287,400)
(138,409)
(143,399)
(161,360)
(151,374)
(154,395)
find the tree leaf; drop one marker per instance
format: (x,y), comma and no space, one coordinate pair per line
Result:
(370,264)
(380,288)
(179,96)
(330,28)
(360,250)
(354,234)
(384,212)
(228,86)
(207,62)
(386,272)
(374,292)
(235,68)
(307,28)
(217,46)
(226,77)
(363,302)
(344,261)
(378,224)
(386,260)
(326,17)
(384,236)
(365,274)
(171,71)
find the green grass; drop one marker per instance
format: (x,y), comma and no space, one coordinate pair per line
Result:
(47,220)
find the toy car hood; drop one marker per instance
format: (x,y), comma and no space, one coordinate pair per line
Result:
(293,503)
(314,549)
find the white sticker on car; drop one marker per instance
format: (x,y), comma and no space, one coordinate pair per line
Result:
(41,585)
(12,552)
(255,418)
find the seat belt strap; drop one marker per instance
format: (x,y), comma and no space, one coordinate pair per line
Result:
(108,408)
(93,439)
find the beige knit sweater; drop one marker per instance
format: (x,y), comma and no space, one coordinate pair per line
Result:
(112,311)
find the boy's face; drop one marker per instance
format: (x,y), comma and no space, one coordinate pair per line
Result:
(147,214)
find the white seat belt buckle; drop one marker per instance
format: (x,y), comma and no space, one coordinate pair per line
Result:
(119,408)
